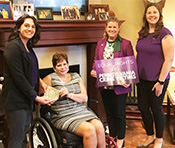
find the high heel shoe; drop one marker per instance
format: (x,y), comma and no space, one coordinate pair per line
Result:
(145,146)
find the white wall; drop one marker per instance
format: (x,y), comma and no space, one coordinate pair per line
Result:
(76,55)
(169,22)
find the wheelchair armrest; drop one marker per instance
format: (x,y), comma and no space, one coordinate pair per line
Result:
(45,112)
(93,101)
(51,110)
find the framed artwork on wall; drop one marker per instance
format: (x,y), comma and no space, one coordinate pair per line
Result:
(70,13)
(96,8)
(44,13)
(5,10)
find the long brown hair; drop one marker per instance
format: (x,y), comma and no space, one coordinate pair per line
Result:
(15,33)
(145,28)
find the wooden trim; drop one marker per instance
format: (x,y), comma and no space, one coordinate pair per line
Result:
(60,32)
(64,32)
(172,69)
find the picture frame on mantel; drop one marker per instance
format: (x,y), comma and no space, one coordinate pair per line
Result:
(6,10)
(103,16)
(89,16)
(55,4)
(21,9)
(44,13)
(70,13)
(96,8)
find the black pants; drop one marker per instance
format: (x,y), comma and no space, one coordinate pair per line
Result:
(115,111)
(151,107)
(18,123)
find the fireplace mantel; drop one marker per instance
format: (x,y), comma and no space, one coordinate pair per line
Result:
(56,33)
(59,32)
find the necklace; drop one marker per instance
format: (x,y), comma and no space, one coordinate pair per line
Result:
(110,44)
(109,50)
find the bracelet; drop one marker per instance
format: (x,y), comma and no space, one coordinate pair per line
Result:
(71,95)
(160,82)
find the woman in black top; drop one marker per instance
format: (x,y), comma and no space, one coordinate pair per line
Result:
(21,84)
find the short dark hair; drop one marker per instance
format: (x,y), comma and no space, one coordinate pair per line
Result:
(15,33)
(57,57)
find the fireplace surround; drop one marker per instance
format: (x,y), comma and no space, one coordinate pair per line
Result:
(64,33)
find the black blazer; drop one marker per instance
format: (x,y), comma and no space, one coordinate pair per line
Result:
(17,90)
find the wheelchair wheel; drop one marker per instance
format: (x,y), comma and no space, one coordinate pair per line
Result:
(41,135)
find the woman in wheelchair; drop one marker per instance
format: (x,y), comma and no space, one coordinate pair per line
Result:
(73,115)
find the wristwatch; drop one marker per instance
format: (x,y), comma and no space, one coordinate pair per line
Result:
(160,82)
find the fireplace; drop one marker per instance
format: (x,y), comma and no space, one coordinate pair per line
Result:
(65,33)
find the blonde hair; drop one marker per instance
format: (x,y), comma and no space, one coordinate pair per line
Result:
(111,19)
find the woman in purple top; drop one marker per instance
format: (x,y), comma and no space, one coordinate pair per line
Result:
(155,53)
(114,98)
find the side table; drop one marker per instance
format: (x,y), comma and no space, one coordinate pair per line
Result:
(171,103)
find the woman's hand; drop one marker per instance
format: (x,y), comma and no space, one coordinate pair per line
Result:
(43,86)
(158,89)
(42,100)
(126,85)
(94,73)
(51,102)
(64,92)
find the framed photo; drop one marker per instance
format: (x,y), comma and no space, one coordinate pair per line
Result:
(55,4)
(17,11)
(20,9)
(44,13)
(96,8)
(28,9)
(89,16)
(5,10)
(70,13)
(102,16)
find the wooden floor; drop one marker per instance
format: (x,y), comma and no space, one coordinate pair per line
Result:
(135,134)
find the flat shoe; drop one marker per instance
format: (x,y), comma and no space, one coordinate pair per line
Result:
(163,144)
(145,146)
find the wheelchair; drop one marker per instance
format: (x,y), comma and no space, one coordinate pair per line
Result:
(42,134)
